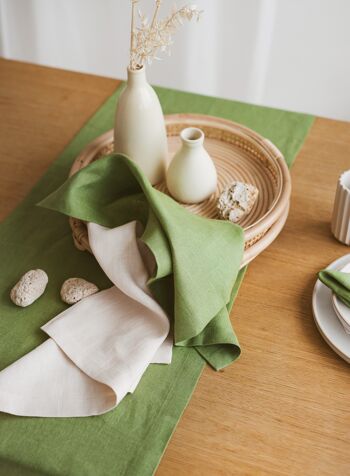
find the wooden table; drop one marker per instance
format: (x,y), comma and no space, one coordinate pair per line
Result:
(283,408)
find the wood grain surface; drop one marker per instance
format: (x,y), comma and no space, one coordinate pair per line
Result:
(283,408)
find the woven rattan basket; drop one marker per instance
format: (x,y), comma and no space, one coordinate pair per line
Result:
(239,154)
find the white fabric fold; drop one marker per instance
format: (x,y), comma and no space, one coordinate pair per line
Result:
(99,348)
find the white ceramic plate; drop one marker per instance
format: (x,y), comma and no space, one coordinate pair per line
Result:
(325,317)
(342,311)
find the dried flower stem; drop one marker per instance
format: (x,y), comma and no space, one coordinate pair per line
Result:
(148,38)
(132,34)
(158,4)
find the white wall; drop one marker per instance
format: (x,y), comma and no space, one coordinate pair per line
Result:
(292,54)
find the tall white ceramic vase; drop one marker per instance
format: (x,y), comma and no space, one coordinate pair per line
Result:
(139,130)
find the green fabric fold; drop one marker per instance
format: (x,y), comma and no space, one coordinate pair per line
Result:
(338,282)
(202,255)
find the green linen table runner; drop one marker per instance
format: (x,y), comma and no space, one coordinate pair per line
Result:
(131,439)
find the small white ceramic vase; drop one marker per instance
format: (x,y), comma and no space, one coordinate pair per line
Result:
(139,130)
(191,176)
(341,210)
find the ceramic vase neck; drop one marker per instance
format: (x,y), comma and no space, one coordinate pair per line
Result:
(192,137)
(137,77)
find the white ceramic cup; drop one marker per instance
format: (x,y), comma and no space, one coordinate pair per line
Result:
(341,210)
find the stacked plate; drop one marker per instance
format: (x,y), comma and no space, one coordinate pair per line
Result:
(239,154)
(331,315)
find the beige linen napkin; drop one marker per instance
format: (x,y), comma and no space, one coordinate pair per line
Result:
(99,348)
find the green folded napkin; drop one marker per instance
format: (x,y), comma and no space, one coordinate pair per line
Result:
(338,282)
(197,259)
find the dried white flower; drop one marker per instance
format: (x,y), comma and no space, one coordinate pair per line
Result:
(150,37)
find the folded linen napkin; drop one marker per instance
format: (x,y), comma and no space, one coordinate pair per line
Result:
(338,282)
(99,348)
(197,260)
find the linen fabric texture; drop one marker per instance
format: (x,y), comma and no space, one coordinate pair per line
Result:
(198,259)
(99,348)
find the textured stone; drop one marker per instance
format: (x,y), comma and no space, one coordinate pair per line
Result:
(76,289)
(29,288)
(236,200)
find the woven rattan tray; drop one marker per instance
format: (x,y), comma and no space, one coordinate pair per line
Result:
(239,154)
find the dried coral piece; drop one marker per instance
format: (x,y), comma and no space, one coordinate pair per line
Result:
(76,289)
(29,288)
(236,200)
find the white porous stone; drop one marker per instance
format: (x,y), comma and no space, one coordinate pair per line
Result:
(29,288)
(236,200)
(76,289)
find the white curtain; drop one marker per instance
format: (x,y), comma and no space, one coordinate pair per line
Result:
(292,54)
